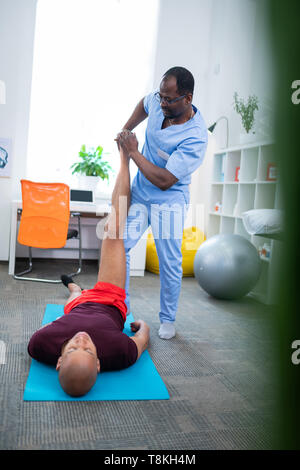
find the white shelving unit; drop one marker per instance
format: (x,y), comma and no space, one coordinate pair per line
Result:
(251,191)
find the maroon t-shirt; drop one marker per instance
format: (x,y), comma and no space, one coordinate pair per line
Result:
(103,323)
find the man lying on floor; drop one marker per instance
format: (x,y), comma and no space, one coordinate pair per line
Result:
(89,337)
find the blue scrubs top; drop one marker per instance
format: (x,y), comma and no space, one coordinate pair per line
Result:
(179,148)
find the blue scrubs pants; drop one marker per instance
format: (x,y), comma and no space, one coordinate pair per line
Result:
(167,223)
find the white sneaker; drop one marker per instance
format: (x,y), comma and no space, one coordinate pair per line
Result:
(167,331)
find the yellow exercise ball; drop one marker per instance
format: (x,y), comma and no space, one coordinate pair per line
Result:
(191,240)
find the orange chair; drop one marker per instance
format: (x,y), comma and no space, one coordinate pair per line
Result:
(44,221)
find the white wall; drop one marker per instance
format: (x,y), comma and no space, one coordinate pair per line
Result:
(224,44)
(17,22)
(183,32)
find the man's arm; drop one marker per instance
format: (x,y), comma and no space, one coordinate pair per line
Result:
(139,114)
(160,177)
(141,337)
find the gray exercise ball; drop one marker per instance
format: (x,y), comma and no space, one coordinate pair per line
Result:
(227,266)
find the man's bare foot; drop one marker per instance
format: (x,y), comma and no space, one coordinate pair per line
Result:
(74,287)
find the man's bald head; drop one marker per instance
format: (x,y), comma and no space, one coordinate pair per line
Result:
(78,365)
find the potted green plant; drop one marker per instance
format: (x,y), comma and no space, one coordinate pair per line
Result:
(91,168)
(246,111)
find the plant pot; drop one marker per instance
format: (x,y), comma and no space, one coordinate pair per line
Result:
(88,182)
(247,138)
(99,186)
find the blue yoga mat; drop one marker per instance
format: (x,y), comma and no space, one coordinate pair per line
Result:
(141,381)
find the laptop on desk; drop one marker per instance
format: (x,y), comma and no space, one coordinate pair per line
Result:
(86,199)
(82,196)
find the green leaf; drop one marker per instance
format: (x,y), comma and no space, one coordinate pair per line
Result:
(92,163)
(246,110)
(99,150)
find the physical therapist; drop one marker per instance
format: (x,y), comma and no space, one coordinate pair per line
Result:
(175,145)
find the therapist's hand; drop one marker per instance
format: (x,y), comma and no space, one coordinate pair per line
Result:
(128,141)
(117,139)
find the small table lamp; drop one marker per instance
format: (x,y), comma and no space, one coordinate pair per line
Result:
(212,127)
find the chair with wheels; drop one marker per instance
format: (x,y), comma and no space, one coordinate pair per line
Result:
(44,224)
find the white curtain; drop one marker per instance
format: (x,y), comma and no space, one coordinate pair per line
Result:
(93,61)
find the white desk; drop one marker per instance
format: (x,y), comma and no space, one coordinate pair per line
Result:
(98,210)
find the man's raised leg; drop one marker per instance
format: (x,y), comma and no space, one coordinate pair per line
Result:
(113,260)
(112,267)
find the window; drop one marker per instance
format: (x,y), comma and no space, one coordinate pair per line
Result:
(93,61)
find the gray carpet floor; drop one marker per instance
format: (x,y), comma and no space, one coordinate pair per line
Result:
(218,370)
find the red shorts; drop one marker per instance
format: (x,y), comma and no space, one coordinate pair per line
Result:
(103,293)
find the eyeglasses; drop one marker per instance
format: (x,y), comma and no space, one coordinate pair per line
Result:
(167,100)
